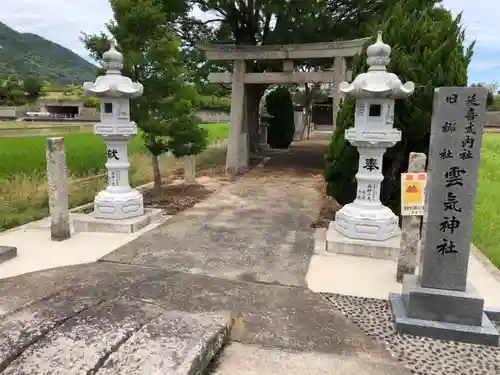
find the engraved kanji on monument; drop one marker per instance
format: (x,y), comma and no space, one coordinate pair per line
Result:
(454,154)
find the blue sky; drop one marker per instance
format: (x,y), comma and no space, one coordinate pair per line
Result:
(63,20)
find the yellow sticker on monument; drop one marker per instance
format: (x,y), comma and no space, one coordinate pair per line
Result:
(413,193)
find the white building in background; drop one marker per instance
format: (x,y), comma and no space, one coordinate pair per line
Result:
(492,87)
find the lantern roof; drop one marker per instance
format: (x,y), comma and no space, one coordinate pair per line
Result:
(377,82)
(113,84)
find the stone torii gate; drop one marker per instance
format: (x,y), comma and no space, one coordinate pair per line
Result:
(238,143)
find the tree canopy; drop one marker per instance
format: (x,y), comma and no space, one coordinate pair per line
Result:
(16,92)
(427,49)
(265,22)
(144,32)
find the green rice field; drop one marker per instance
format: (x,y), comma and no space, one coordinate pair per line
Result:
(85,152)
(486,225)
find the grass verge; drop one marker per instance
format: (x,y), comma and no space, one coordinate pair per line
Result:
(24,198)
(486,224)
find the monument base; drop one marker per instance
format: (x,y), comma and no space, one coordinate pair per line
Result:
(493,313)
(442,314)
(338,243)
(7,253)
(89,223)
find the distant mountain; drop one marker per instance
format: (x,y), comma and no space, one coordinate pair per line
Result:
(24,54)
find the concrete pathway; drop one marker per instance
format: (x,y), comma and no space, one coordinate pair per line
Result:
(256,230)
(376,278)
(37,252)
(245,249)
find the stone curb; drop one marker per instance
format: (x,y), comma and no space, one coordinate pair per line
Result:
(177,343)
(7,253)
(200,357)
(492,312)
(483,259)
(320,249)
(320,241)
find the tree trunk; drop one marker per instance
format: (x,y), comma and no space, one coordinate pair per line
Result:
(154,162)
(308,117)
(253,96)
(156,172)
(308,108)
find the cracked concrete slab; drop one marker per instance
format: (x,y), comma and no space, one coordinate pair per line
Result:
(276,316)
(82,344)
(101,280)
(290,318)
(22,328)
(239,359)
(174,343)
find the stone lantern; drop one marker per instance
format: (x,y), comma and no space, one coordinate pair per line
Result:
(118,200)
(375,92)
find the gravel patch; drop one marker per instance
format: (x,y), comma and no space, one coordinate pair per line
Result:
(421,355)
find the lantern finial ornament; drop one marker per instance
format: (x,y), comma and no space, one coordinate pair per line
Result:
(378,54)
(112,59)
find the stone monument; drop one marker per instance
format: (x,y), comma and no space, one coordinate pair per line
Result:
(410,226)
(58,189)
(439,302)
(189,169)
(366,227)
(118,201)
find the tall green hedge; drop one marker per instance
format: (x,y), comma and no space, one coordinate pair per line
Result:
(279,106)
(216,103)
(427,48)
(490,99)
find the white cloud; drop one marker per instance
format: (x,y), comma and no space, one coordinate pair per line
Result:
(480,18)
(479,64)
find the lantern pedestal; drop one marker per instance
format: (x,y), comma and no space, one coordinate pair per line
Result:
(118,201)
(367,218)
(89,223)
(366,227)
(117,206)
(338,243)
